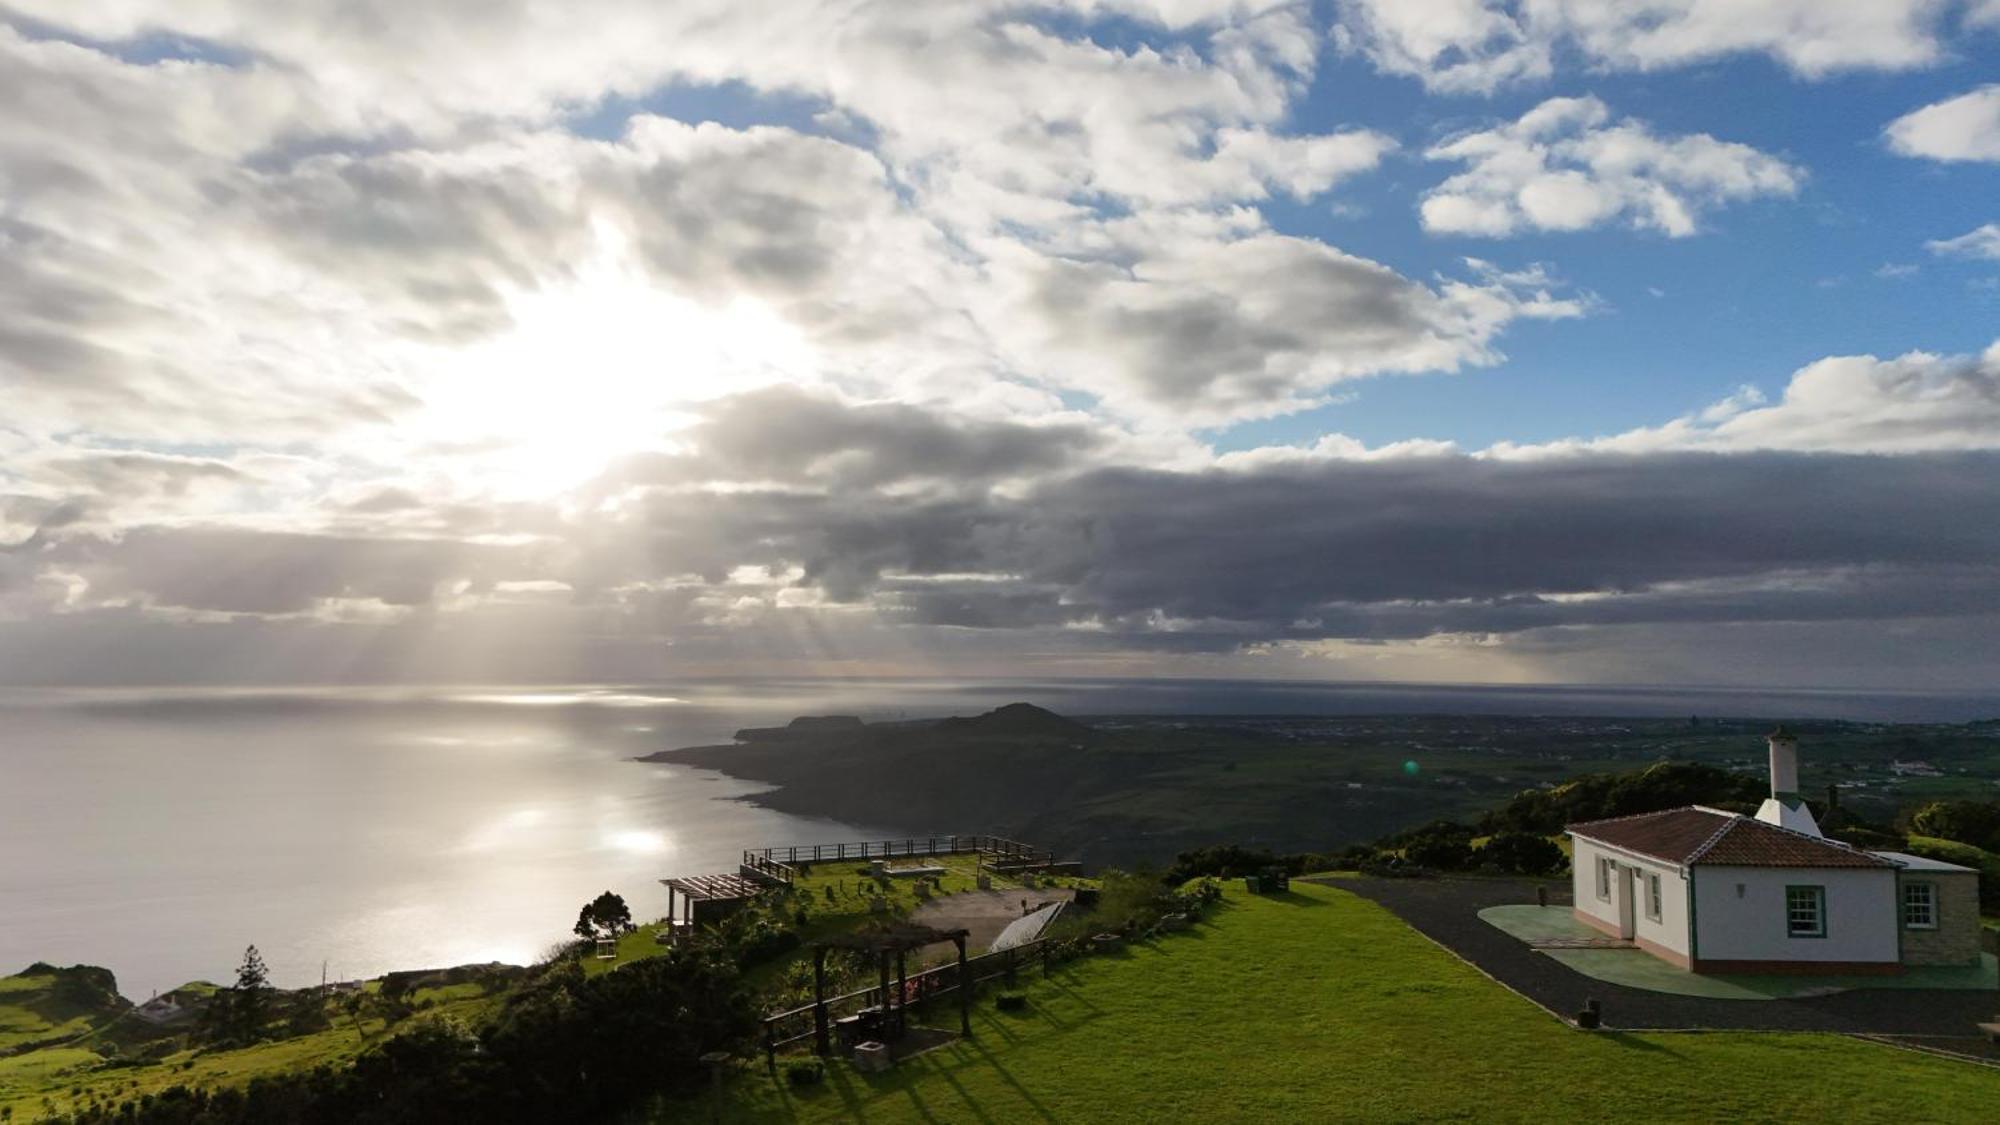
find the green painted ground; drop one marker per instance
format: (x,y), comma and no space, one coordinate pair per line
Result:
(1638,969)
(1318,1006)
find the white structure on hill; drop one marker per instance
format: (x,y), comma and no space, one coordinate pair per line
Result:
(1715,891)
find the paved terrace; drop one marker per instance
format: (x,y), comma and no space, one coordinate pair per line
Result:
(1447,911)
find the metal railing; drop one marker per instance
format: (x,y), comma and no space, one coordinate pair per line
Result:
(759,865)
(1003,852)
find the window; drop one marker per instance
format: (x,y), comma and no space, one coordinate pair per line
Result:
(1805,911)
(1653,897)
(1920,906)
(1603,878)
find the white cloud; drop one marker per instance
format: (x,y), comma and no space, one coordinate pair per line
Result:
(1912,403)
(1979,242)
(400,197)
(1482,45)
(1566,165)
(1964,128)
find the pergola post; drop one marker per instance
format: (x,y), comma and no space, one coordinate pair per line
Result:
(964,988)
(672,918)
(902,979)
(882,964)
(821,1046)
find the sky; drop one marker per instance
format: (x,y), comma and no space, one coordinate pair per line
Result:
(1484,341)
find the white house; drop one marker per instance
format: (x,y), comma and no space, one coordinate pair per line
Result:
(1720,892)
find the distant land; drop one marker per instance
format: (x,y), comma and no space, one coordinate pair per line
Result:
(1140,788)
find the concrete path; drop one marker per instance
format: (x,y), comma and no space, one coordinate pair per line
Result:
(1447,911)
(984,913)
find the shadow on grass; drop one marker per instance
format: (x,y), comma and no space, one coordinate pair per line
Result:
(1007,1076)
(1632,1042)
(1294,898)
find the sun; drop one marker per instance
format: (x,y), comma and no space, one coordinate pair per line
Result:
(601,365)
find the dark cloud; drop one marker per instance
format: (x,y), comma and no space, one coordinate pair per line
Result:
(784,434)
(1389,549)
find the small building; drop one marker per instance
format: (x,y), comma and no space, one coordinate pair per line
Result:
(176,1006)
(1716,891)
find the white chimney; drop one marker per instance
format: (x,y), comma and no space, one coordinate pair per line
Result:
(1785,808)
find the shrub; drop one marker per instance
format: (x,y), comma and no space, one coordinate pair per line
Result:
(1442,845)
(1967,822)
(1522,853)
(1011,1001)
(1229,861)
(805,1072)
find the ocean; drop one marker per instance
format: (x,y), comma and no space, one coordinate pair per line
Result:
(352,831)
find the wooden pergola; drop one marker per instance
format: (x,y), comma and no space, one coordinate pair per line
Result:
(694,889)
(895,940)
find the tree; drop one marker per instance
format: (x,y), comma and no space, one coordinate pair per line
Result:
(238,1014)
(604,916)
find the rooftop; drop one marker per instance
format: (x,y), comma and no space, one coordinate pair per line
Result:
(1924,863)
(1701,835)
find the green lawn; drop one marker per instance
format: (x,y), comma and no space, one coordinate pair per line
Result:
(1319,1005)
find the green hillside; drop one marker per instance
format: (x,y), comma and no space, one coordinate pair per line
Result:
(45,1004)
(1322,1006)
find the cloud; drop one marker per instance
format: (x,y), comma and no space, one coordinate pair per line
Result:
(1964,128)
(1566,165)
(412,340)
(787,436)
(1979,242)
(793,524)
(1216,330)
(1410,547)
(404,195)
(1915,402)
(1479,46)
(222,570)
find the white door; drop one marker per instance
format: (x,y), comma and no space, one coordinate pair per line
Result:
(1628,902)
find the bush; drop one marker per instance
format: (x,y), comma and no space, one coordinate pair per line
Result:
(805,1072)
(1966,822)
(1521,853)
(1011,1001)
(1229,861)
(1441,845)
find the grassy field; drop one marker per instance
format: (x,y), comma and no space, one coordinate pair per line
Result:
(1320,1006)
(54,1080)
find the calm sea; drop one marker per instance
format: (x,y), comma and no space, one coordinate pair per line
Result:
(158,833)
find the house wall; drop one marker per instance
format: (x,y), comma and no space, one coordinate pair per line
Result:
(1590,909)
(1745,931)
(1956,939)
(1666,937)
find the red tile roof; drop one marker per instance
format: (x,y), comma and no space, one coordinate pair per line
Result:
(1697,835)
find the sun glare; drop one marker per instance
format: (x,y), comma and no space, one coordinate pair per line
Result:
(605,365)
